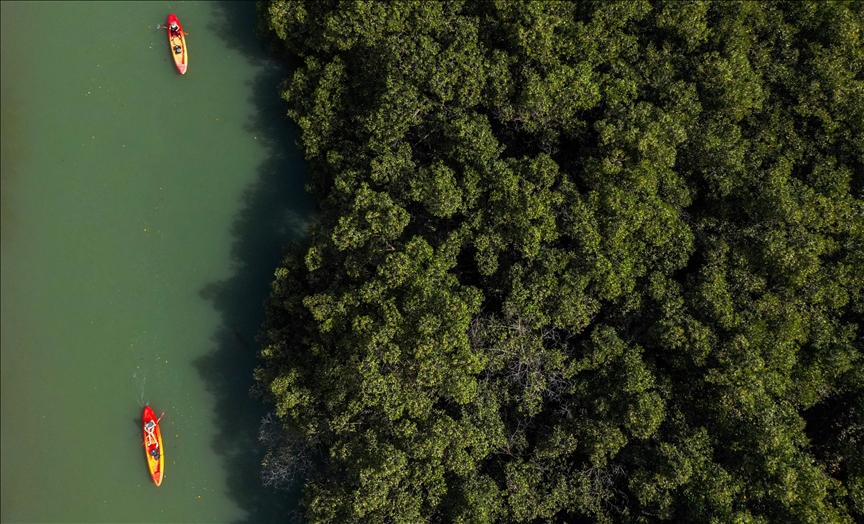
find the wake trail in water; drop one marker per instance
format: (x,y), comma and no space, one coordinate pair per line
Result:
(139,354)
(140,381)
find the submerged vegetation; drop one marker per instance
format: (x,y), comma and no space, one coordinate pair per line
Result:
(575,261)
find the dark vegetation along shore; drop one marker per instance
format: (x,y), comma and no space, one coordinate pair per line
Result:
(575,262)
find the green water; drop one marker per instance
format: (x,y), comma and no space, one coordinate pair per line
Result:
(143,213)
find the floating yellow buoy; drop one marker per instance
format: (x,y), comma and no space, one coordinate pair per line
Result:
(145,229)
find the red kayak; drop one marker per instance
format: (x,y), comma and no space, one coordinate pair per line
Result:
(177,43)
(153,445)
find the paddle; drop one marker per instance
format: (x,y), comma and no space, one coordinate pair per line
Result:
(160,26)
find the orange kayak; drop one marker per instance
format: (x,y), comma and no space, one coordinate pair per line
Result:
(153,445)
(177,43)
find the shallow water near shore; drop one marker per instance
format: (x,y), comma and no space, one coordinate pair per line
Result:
(143,213)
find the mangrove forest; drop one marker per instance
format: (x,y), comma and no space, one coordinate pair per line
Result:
(589,261)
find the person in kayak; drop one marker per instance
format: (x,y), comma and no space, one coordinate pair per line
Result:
(149,427)
(175,29)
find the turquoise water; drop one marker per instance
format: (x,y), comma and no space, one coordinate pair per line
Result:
(143,213)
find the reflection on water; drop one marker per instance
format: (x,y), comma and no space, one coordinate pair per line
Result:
(275,210)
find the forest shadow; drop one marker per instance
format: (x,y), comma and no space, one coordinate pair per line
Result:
(274,210)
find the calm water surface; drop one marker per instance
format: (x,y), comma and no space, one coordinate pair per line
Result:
(142,216)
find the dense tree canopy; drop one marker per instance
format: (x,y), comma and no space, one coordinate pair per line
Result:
(575,261)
